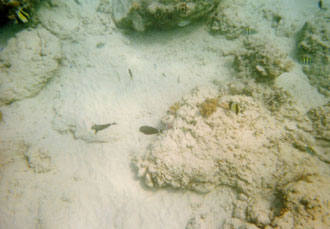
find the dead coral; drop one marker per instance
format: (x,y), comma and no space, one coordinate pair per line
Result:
(261,60)
(321,121)
(225,20)
(320,117)
(208,107)
(314,51)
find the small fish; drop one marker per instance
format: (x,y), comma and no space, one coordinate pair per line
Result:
(130,74)
(320,4)
(306,60)
(22,16)
(102,127)
(148,130)
(234,107)
(310,150)
(184,23)
(249,31)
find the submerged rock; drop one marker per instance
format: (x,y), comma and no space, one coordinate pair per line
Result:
(27,63)
(140,15)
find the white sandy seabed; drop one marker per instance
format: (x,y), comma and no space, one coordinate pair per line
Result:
(220,171)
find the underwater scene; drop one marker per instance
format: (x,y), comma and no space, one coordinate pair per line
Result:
(158,114)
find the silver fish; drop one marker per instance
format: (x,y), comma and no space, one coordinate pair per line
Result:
(102,127)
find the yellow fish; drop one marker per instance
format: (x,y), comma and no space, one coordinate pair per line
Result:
(22,15)
(234,107)
(306,60)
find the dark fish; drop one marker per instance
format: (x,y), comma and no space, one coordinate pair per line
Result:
(148,130)
(102,127)
(130,74)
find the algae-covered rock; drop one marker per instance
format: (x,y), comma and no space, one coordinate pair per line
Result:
(314,51)
(261,60)
(27,63)
(140,15)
